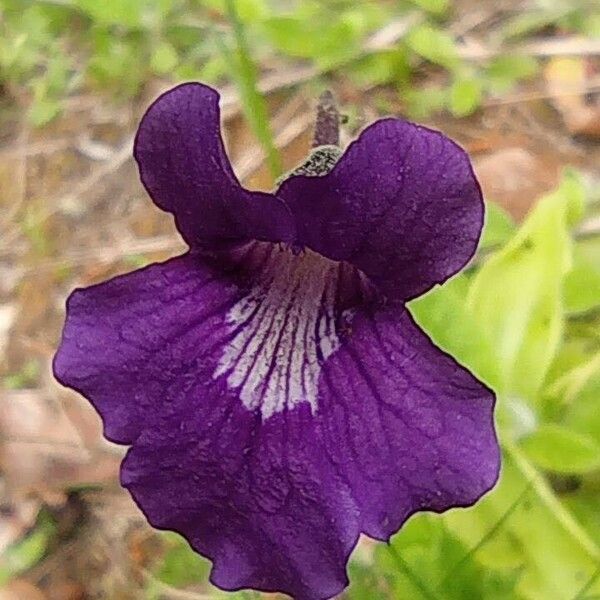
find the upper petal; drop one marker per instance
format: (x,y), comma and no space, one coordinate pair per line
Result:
(185,169)
(402,204)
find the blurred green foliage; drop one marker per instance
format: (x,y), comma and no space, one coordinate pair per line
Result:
(50,48)
(508,319)
(26,377)
(27,552)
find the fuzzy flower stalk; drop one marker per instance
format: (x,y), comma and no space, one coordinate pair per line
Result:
(276,395)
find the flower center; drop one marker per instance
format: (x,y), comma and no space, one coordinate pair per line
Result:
(283,330)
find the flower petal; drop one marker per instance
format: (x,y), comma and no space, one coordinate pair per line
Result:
(254,493)
(259,498)
(126,340)
(402,204)
(185,169)
(406,426)
(272,484)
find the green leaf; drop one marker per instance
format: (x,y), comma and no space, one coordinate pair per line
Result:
(127,13)
(26,377)
(583,414)
(516,298)
(388,66)
(213,69)
(27,552)
(421,563)
(436,7)
(250,11)
(164,58)
(574,190)
(569,385)
(316,35)
(498,228)
(522,526)
(181,566)
(556,448)
(117,62)
(288,34)
(43,110)
(528,22)
(163,8)
(434,45)
(585,505)
(504,72)
(591,26)
(422,103)
(582,283)
(443,314)
(465,96)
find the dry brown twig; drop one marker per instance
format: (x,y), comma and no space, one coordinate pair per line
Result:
(107,255)
(592,86)
(113,164)
(545,48)
(35,148)
(119,158)
(20,176)
(172,592)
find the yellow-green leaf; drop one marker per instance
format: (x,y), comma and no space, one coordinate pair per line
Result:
(516,298)
(164,58)
(435,45)
(556,448)
(465,96)
(521,526)
(582,284)
(443,315)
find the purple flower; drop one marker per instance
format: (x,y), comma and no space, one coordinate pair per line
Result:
(277,395)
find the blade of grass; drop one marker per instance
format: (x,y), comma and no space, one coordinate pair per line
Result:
(414,578)
(547,497)
(255,107)
(581,594)
(489,534)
